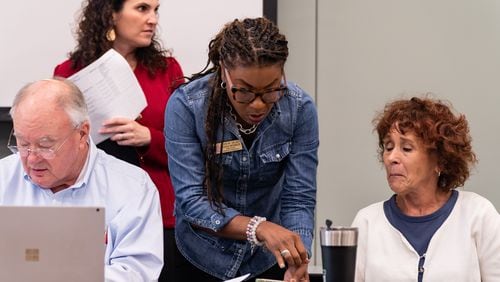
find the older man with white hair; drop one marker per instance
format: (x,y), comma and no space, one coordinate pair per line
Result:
(55,162)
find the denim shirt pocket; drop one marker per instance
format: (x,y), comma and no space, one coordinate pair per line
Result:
(272,161)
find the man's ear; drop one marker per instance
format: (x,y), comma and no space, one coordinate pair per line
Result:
(85,130)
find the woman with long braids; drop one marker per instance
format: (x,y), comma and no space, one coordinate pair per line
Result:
(129,27)
(242,143)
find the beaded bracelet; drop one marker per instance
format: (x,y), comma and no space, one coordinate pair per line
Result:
(251,228)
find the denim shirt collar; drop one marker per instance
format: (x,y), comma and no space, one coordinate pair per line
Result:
(230,123)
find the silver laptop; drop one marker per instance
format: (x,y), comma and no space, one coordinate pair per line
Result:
(52,244)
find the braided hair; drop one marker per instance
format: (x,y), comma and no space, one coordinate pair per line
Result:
(95,21)
(241,43)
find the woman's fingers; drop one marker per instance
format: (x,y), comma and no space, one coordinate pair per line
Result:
(292,256)
(117,125)
(297,273)
(279,258)
(285,245)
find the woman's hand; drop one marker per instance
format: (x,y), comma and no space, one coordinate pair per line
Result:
(285,245)
(126,132)
(297,274)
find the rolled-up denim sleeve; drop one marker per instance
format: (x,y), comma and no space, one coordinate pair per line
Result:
(298,200)
(184,130)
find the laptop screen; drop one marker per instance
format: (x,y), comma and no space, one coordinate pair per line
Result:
(44,243)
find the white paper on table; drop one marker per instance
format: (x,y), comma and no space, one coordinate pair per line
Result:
(111,90)
(239,279)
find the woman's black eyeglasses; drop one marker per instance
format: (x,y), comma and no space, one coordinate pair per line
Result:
(247,96)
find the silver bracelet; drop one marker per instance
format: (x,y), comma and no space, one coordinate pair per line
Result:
(252,228)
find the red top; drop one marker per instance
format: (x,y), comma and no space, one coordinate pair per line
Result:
(152,158)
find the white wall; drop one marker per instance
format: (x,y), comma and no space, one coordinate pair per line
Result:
(297,20)
(188,26)
(37,35)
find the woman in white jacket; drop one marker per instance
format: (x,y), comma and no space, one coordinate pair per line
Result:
(428,230)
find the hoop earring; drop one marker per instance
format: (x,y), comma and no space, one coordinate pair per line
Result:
(223,85)
(111,35)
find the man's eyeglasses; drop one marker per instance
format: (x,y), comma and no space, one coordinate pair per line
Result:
(247,96)
(46,153)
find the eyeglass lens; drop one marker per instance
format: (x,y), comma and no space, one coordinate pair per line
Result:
(243,95)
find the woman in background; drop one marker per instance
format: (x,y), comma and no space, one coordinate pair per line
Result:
(129,27)
(428,230)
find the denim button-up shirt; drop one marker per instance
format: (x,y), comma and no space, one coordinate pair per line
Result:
(274,178)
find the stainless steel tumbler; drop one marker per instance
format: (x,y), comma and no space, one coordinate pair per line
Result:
(338,252)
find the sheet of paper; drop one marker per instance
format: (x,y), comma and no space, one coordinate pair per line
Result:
(238,279)
(111,90)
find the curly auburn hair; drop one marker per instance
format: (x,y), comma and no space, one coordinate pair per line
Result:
(240,43)
(94,22)
(442,132)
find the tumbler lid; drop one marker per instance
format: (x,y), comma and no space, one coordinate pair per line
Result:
(339,236)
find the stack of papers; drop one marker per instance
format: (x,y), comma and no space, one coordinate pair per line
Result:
(239,279)
(111,90)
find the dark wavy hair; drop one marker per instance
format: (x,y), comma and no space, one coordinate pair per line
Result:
(241,43)
(95,21)
(443,133)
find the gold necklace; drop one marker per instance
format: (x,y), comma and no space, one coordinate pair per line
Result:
(246,131)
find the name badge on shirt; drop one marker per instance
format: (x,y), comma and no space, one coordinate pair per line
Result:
(229,146)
